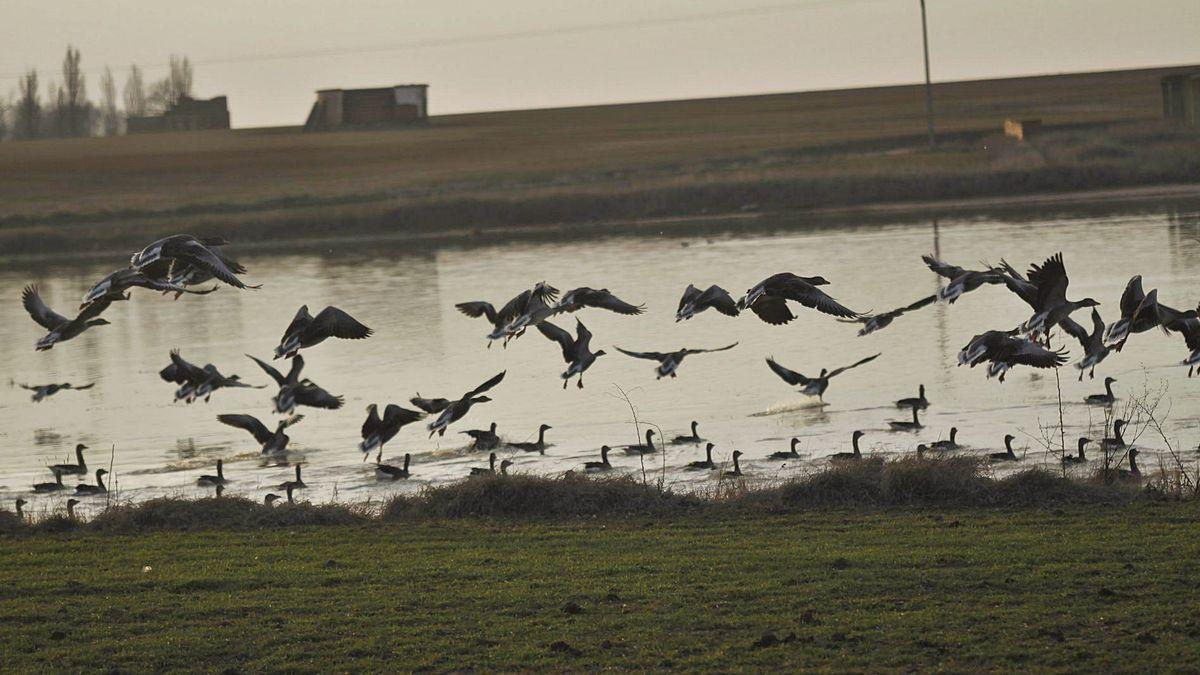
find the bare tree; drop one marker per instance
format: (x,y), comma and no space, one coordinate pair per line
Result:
(135,93)
(5,106)
(177,85)
(29,107)
(110,116)
(74,110)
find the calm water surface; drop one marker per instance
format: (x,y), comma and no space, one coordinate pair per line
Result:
(422,344)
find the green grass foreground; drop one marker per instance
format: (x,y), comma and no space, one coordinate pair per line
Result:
(1082,588)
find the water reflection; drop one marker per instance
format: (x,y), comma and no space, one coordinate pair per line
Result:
(423,344)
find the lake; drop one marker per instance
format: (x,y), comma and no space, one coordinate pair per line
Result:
(423,344)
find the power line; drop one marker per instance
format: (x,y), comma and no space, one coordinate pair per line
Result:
(483,38)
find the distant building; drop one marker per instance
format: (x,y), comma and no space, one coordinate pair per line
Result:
(1181,98)
(365,108)
(187,114)
(1022,130)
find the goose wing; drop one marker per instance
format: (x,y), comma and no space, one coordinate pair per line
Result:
(248,423)
(302,319)
(315,397)
(81,387)
(772,309)
(395,416)
(583,338)
(814,298)
(790,376)
(838,371)
(188,371)
(46,317)
(601,299)
(372,423)
(198,255)
(652,356)
(942,268)
(499,377)
(1051,281)
(690,295)
(1072,327)
(923,302)
(1132,297)
(513,308)
(430,405)
(562,337)
(685,352)
(270,370)
(719,299)
(337,323)
(478,308)
(1029,353)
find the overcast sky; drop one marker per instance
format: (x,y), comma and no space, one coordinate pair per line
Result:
(269,56)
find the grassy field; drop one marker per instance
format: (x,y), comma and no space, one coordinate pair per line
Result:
(1080,589)
(606,162)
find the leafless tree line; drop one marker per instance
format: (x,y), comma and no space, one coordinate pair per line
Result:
(66,111)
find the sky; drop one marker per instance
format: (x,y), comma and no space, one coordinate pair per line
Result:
(269,56)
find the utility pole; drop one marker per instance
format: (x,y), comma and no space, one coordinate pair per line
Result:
(928,83)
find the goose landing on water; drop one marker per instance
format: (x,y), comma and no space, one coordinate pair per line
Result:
(452,411)
(813,386)
(307,331)
(669,362)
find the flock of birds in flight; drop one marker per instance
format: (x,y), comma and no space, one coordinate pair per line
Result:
(178,264)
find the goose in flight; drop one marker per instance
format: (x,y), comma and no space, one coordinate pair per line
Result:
(113,287)
(668,362)
(452,411)
(1051,304)
(695,301)
(1139,313)
(1094,350)
(768,299)
(873,322)
(377,431)
(1186,324)
(196,382)
(578,298)
(527,303)
(576,351)
(294,391)
(961,281)
(61,328)
(307,331)
(813,386)
(1004,351)
(42,391)
(164,257)
(271,442)
(184,274)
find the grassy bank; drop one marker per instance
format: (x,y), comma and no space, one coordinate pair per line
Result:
(468,173)
(1081,589)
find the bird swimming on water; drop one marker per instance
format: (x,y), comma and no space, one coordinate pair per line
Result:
(538,446)
(855,455)
(705,464)
(483,439)
(693,437)
(77,469)
(389,472)
(1107,398)
(602,465)
(97,489)
(918,401)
